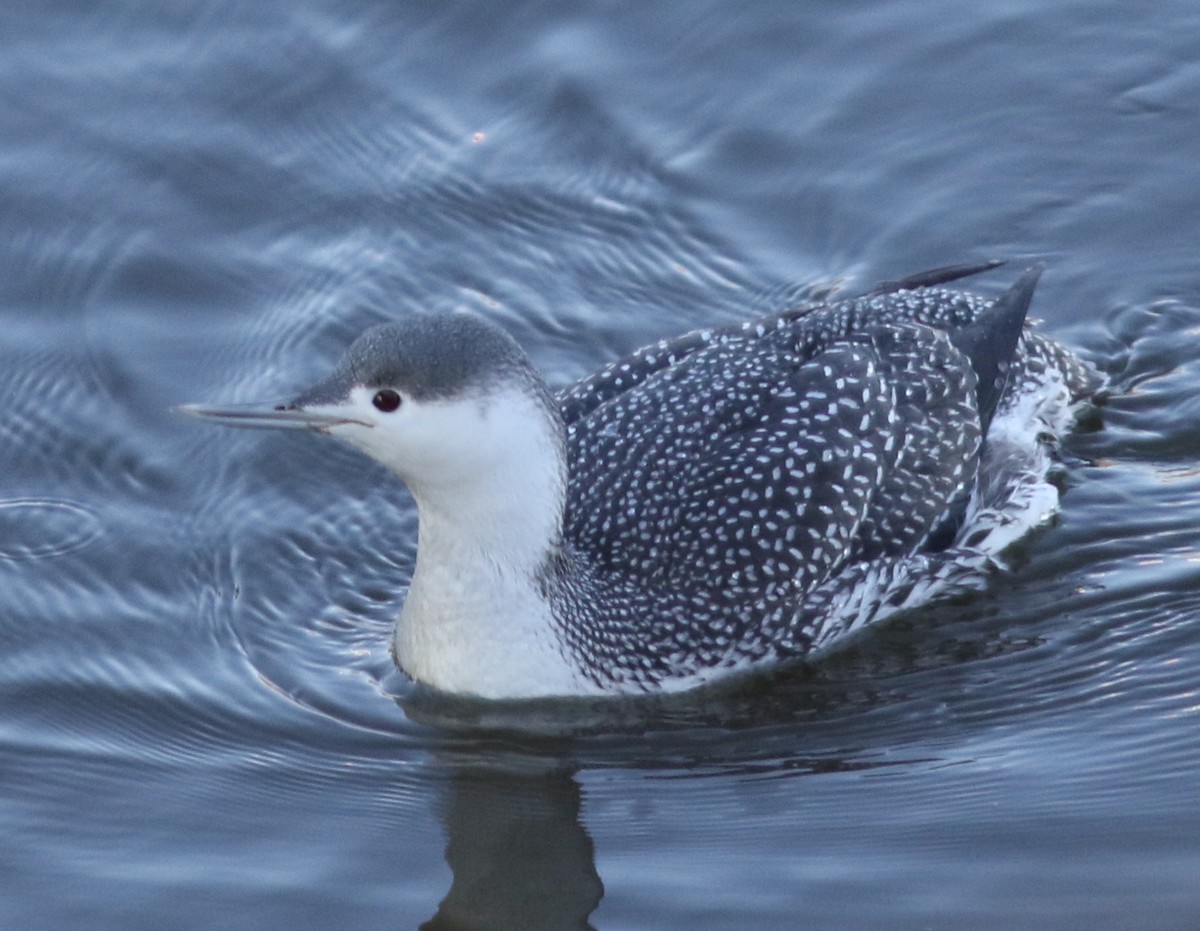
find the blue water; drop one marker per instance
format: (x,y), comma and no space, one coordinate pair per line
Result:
(206,201)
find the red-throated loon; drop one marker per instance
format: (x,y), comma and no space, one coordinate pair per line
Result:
(731,498)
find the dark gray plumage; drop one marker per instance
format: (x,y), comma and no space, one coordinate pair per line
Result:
(429,356)
(728,486)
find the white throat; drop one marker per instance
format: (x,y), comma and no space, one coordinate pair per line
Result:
(490,491)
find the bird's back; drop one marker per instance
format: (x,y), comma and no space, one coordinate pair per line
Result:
(733,473)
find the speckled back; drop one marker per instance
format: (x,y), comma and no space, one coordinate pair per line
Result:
(723,478)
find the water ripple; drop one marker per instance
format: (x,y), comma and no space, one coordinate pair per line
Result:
(33,528)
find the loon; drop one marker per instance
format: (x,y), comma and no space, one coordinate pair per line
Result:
(733,498)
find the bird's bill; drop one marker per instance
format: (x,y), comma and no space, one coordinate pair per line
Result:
(263,417)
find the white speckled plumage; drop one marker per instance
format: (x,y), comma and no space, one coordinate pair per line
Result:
(730,498)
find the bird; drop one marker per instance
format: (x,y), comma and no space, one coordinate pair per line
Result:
(733,499)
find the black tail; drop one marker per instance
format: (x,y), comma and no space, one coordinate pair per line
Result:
(991,340)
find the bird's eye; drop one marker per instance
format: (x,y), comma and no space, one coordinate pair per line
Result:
(386,400)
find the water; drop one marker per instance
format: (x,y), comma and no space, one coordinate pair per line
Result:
(205,201)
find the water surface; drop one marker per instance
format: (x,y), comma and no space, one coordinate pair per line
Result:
(206,201)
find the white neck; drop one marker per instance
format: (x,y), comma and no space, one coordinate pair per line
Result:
(475,620)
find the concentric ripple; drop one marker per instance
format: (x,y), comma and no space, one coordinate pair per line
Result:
(33,528)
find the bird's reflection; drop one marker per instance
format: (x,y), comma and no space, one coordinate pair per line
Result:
(521,858)
(520,855)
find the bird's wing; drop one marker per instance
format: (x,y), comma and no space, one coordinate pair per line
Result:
(746,466)
(580,400)
(919,296)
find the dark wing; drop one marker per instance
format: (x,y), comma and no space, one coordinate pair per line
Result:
(580,399)
(937,436)
(745,467)
(935,277)
(705,460)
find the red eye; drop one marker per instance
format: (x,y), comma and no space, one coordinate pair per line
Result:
(386,400)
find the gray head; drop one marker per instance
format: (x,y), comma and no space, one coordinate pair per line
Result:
(428,357)
(438,398)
